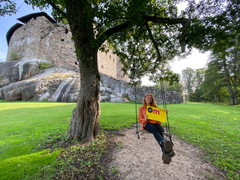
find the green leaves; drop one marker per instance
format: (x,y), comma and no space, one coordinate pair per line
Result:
(7,7)
(214,25)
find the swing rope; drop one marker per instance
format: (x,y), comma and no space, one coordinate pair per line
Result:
(167,127)
(135,94)
(165,106)
(136,110)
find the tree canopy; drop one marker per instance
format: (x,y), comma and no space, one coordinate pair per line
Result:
(7,7)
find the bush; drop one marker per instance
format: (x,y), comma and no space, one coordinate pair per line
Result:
(14,56)
(44,65)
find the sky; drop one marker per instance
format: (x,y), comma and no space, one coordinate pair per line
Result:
(195,60)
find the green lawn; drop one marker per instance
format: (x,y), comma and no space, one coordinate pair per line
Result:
(215,128)
(25,127)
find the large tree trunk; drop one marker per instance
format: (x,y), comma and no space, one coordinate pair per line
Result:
(226,72)
(235,72)
(235,91)
(85,117)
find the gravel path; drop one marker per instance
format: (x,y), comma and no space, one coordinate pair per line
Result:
(140,159)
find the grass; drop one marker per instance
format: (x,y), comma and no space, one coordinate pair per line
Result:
(214,128)
(43,65)
(116,116)
(26,128)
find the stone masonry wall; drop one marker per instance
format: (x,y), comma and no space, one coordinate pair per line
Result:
(107,63)
(43,40)
(124,89)
(120,73)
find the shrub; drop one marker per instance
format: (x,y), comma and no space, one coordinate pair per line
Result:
(14,56)
(125,95)
(108,85)
(44,65)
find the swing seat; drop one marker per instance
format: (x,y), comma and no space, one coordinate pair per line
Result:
(145,131)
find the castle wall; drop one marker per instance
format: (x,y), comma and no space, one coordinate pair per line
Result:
(26,40)
(124,89)
(120,75)
(41,39)
(107,63)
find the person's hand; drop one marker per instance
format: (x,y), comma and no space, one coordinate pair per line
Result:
(146,117)
(166,110)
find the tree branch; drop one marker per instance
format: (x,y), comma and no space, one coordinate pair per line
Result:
(166,20)
(56,8)
(154,42)
(185,23)
(112,31)
(111,20)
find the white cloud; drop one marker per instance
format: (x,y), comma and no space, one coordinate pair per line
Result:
(195,61)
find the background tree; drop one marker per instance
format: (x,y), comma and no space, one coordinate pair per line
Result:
(197,95)
(221,77)
(214,81)
(233,57)
(188,81)
(199,77)
(176,86)
(215,26)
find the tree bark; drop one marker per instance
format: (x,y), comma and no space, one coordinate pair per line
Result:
(235,91)
(84,123)
(85,117)
(226,72)
(235,71)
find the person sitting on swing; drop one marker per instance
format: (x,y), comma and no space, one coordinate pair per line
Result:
(155,127)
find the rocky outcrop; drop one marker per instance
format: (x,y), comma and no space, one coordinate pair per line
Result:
(53,84)
(19,82)
(13,71)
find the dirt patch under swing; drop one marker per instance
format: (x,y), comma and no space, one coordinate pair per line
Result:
(142,159)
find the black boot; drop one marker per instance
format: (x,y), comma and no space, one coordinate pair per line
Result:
(166,159)
(168,146)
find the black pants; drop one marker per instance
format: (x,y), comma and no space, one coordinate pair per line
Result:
(157,131)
